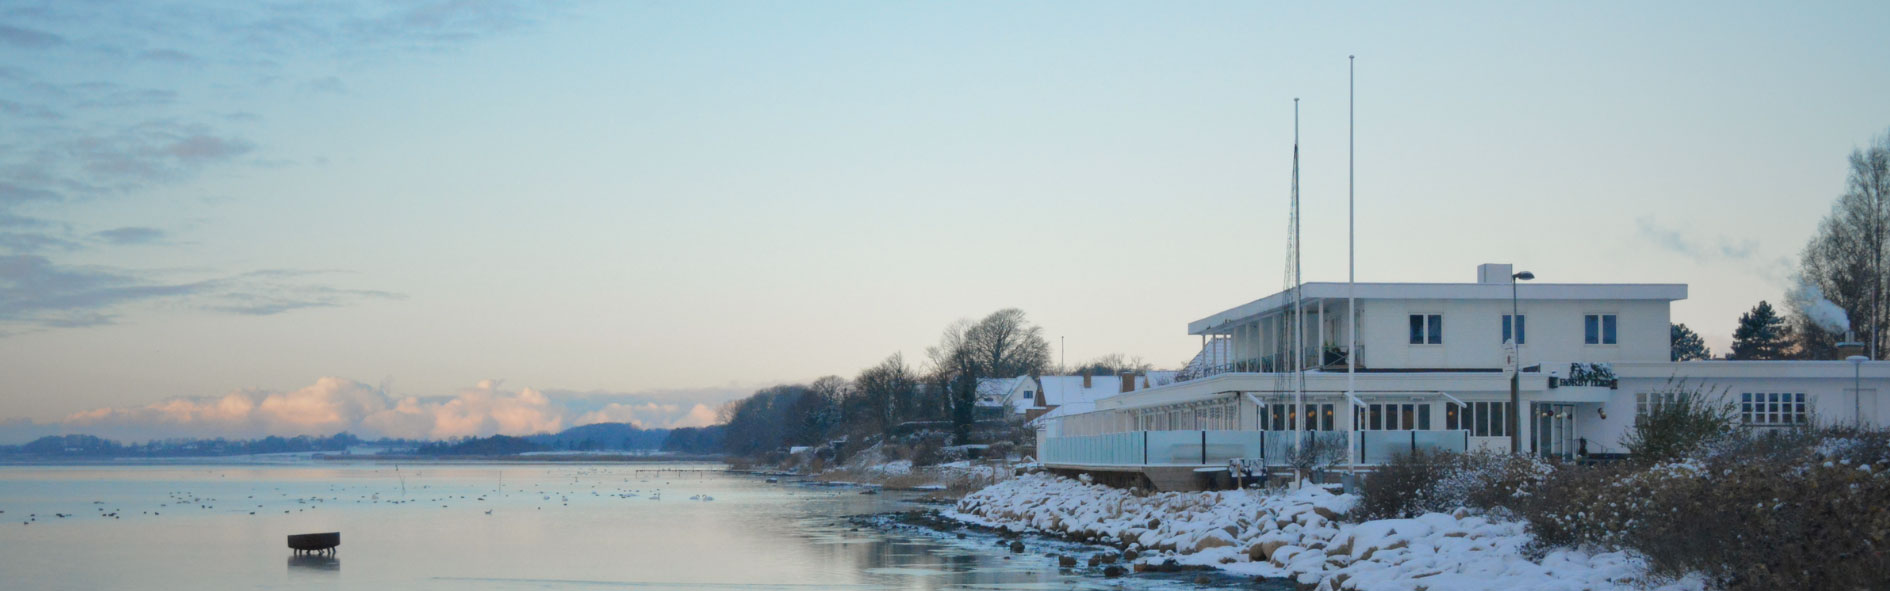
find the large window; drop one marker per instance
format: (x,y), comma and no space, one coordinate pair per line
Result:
(1598,329)
(1427,329)
(1395,417)
(1481,419)
(1521,326)
(1774,408)
(1645,402)
(1279,417)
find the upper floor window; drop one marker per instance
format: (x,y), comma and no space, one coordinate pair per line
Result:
(1427,329)
(1521,328)
(1598,329)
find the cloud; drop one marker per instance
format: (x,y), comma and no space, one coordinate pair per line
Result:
(332,405)
(130,235)
(1674,241)
(168,56)
(28,38)
(329,84)
(36,293)
(650,415)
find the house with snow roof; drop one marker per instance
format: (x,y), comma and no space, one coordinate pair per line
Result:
(1006,397)
(1432,368)
(1065,395)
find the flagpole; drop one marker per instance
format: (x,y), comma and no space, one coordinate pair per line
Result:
(1351,262)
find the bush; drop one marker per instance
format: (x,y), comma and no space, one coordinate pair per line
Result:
(1797,509)
(1441,481)
(927,452)
(1404,487)
(1682,419)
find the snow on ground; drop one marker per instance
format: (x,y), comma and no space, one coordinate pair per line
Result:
(1300,535)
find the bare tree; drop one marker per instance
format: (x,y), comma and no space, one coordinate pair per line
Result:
(1845,262)
(1006,345)
(886,391)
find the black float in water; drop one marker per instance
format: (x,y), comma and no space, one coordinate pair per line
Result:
(314,543)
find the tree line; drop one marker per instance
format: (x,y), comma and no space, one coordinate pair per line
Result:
(1839,286)
(892,396)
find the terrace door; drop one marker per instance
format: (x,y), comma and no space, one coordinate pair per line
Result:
(1555,430)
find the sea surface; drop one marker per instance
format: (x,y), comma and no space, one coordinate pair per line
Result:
(480,526)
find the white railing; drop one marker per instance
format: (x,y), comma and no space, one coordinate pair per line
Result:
(1207,448)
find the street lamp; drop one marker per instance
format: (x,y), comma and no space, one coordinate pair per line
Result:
(1515,379)
(1857,387)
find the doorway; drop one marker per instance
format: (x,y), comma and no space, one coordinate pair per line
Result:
(1555,430)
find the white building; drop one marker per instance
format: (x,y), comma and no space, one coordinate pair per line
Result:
(1434,365)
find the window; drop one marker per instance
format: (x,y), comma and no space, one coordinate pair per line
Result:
(1645,402)
(1598,329)
(1427,329)
(1522,328)
(1481,419)
(1395,417)
(1279,417)
(1774,408)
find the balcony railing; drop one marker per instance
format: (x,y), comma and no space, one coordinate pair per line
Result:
(1207,448)
(1331,357)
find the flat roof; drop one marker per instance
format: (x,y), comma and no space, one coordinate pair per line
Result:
(1442,291)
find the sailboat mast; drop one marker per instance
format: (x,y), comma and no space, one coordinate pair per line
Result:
(1299,311)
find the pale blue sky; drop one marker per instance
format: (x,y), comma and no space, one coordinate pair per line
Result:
(682,201)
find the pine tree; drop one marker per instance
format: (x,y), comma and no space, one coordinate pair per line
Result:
(1761,334)
(1687,345)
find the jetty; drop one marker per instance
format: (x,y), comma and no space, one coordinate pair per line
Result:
(322,543)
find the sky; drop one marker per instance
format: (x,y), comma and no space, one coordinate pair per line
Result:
(446,218)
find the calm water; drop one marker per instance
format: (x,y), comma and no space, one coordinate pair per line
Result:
(460,526)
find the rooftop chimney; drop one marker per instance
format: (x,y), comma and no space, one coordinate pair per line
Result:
(1128,382)
(1085,379)
(1495,272)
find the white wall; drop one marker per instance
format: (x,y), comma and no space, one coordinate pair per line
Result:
(1473,333)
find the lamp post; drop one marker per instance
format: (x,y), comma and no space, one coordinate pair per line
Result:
(1515,347)
(1857,387)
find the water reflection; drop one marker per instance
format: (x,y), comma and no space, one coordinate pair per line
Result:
(314,562)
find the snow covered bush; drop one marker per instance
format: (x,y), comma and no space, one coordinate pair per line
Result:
(1441,481)
(1753,510)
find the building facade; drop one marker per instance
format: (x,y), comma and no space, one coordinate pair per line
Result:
(1434,366)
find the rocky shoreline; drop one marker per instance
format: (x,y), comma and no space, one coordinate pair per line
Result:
(1303,536)
(1070,555)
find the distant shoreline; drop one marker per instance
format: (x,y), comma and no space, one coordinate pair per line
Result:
(299,458)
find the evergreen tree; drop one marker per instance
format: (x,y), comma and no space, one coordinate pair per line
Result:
(1761,334)
(1687,345)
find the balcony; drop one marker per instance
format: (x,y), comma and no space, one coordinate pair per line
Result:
(1333,357)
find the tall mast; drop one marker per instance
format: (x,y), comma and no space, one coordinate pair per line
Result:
(1351,258)
(1299,311)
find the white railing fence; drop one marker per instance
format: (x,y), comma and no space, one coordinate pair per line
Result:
(1205,448)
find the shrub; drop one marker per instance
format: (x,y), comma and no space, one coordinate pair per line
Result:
(927,452)
(1315,453)
(1682,419)
(1441,481)
(1799,509)
(1405,486)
